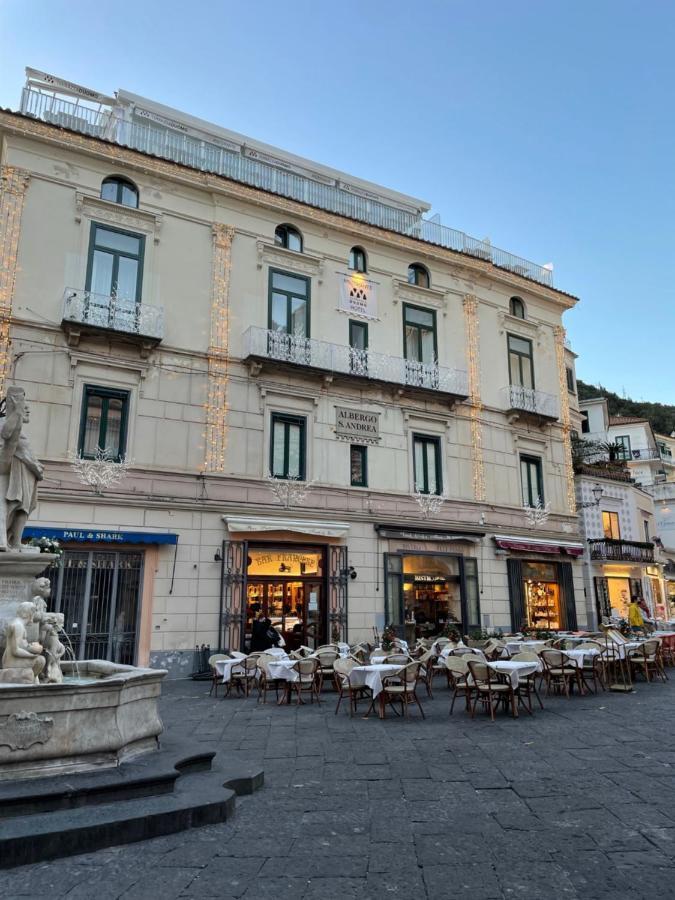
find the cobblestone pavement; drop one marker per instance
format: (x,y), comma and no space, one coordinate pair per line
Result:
(577,801)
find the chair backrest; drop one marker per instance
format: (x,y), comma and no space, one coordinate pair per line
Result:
(332,647)
(344,666)
(216,657)
(250,664)
(327,657)
(651,647)
(442,642)
(397,659)
(480,671)
(410,673)
(553,659)
(589,645)
(307,666)
(525,656)
(457,664)
(254,655)
(237,654)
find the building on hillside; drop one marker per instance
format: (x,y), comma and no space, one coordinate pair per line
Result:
(623,557)
(332,409)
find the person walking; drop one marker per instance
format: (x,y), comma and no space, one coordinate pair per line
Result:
(635,619)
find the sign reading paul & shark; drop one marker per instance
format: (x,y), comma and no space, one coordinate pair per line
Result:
(357,425)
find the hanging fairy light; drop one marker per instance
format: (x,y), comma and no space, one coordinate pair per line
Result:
(218,353)
(475,405)
(559,337)
(13,184)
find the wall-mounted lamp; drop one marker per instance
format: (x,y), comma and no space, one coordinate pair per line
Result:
(597,492)
(217,557)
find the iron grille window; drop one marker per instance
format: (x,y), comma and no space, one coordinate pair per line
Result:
(288,447)
(427,464)
(103,422)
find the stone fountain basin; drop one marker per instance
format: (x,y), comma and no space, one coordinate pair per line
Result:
(102,714)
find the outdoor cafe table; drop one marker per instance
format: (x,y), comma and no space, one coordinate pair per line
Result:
(371,676)
(514,669)
(224,668)
(516,646)
(282,670)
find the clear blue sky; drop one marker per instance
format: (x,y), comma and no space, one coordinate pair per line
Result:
(547,126)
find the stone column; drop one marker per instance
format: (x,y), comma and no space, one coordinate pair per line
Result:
(13,184)
(471,327)
(218,354)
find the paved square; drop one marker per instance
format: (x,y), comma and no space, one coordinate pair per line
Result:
(577,801)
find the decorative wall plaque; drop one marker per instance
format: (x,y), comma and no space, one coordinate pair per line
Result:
(357,425)
(23,729)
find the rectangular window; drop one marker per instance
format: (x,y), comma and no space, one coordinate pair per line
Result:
(287,450)
(531,479)
(521,366)
(585,424)
(115,265)
(570,380)
(289,298)
(645,525)
(427,464)
(103,424)
(623,446)
(419,334)
(610,525)
(358,463)
(358,347)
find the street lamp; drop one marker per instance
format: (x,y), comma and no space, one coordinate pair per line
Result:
(597,492)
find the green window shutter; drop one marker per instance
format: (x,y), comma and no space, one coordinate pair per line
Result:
(514,569)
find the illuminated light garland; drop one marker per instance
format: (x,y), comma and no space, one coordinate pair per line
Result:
(13,184)
(475,405)
(218,353)
(559,336)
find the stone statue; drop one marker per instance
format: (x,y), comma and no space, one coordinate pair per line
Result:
(52,647)
(20,471)
(22,662)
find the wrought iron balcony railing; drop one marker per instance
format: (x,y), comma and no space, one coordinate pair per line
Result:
(208,156)
(338,359)
(641,453)
(113,314)
(529,401)
(622,551)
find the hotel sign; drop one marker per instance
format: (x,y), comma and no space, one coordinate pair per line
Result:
(357,425)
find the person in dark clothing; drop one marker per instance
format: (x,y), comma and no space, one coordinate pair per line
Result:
(262,634)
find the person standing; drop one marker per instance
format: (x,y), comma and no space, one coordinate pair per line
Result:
(635,619)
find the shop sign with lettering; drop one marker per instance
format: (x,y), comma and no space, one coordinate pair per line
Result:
(357,425)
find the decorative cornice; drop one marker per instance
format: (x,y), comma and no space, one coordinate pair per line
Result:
(413,293)
(305,263)
(106,211)
(514,325)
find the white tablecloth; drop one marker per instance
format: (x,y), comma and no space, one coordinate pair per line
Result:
(224,668)
(515,669)
(578,655)
(371,676)
(283,669)
(277,651)
(515,646)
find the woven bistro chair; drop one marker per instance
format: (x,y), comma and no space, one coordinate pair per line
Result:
(341,674)
(397,659)
(428,661)
(648,660)
(560,672)
(457,668)
(213,659)
(309,679)
(527,684)
(401,687)
(327,658)
(265,681)
(490,688)
(593,667)
(243,676)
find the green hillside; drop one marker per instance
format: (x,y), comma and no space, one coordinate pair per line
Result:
(661,415)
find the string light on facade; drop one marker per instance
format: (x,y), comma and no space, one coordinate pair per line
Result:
(430,504)
(475,405)
(218,353)
(13,184)
(102,471)
(289,491)
(559,337)
(537,515)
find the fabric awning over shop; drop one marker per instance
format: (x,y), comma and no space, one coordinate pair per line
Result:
(270,523)
(420,534)
(523,545)
(96,535)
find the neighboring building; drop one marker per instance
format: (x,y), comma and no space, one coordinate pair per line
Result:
(218,311)
(617,513)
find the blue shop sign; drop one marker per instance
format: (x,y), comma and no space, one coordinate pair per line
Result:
(65,535)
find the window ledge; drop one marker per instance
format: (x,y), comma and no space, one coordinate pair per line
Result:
(413,293)
(117,214)
(515,325)
(272,254)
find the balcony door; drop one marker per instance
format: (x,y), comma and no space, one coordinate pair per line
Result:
(358,347)
(419,346)
(521,365)
(288,319)
(114,278)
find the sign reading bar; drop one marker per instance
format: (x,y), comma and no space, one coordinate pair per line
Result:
(357,425)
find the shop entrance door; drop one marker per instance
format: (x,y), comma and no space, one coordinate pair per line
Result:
(295,609)
(98,593)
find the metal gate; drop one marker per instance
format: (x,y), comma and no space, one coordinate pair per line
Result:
(98,592)
(233,593)
(338,580)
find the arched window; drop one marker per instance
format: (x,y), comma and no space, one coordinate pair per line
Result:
(119,190)
(517,307)
(357,259)
(288,237)
(418,275)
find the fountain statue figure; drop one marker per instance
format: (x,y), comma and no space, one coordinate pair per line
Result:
(20,471)
(22,662)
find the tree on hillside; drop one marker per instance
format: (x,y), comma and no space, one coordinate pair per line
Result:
(660,415)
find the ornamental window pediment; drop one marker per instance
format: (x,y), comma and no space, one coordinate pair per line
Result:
(96,208)
(290,260)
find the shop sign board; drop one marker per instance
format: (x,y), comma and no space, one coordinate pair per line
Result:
(357,425)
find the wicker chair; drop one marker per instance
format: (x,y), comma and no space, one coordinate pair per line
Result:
(327,659)
(560,672)
(457,668)
(341,673)
(397,659)
(401,687)
(243,676)
(527,684)
(490,688)
(213,659)
(593,667)
(308,680)
(428,661)
(648,660)
(265,681)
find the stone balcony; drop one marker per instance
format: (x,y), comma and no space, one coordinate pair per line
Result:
(262,347)
(85,312)
(528,403)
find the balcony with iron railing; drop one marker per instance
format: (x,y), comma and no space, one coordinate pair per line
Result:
(207,156)
(85,312)
(530,403)
(263,345)
(621,551)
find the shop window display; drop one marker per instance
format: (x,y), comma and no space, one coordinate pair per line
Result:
(432,594)
(542,596)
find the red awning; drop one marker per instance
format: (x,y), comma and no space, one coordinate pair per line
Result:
(531,547)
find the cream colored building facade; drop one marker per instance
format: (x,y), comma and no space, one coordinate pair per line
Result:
(444,366)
